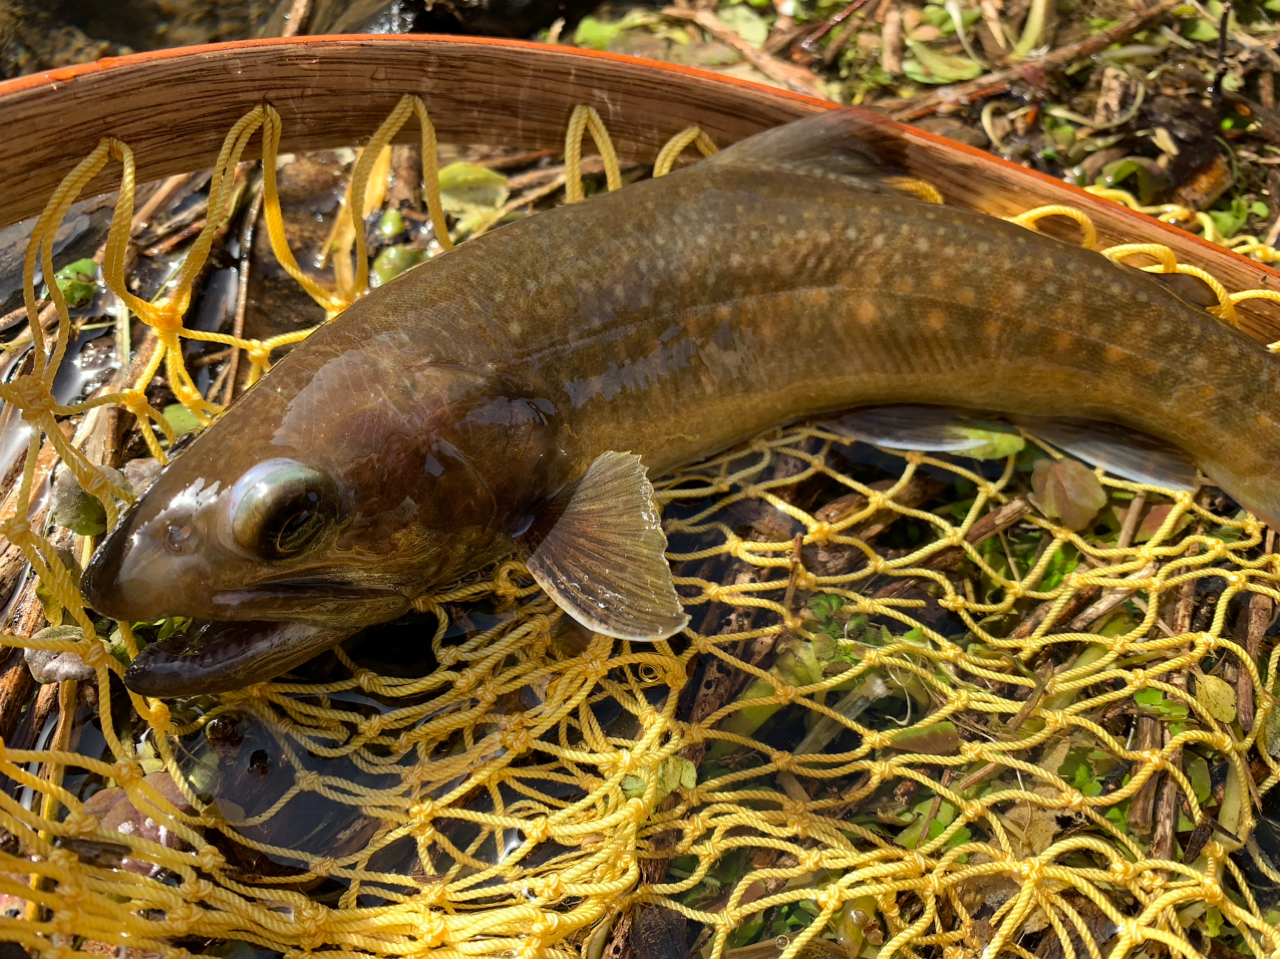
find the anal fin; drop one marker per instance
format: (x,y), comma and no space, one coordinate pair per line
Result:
(932,429)
(1130,454)
(602,559)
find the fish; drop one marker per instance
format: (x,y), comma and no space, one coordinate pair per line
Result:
(515,394)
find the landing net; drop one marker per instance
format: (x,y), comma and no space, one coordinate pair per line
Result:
(913,713)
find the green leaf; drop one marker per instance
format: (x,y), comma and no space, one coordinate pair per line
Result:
(1218,697)
(930,66)
(181,419)
(1213,921)
(78,282)
(1154,703)
(595,34)
(1148,697)
(74,509)
(1148,177)
(391,261)
(911,838)
(746,23)
(992,444)
(466,187)
(1200,30)
(391,224)
(1197,770)
(1230,219)
(935,739)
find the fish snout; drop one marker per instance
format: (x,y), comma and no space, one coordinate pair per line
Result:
(98,584)
(131,577)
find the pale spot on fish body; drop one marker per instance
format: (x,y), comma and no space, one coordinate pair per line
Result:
(965,296)
(936,320)
(866,311)
(1115,353)
(1200,362)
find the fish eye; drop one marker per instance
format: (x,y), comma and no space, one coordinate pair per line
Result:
(280,507)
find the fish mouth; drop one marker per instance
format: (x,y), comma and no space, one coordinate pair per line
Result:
(216,657)
(256,634)
(319,603)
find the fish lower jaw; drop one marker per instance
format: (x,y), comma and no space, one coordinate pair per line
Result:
(216,657)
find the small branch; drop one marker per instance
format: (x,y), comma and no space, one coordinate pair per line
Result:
(1032,71)
(788,74)
(1251,625)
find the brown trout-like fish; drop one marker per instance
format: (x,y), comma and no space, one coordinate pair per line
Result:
(516,390)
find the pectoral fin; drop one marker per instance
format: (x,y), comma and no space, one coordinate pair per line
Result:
(600,555)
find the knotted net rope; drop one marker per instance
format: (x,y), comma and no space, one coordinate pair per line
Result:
(912,715)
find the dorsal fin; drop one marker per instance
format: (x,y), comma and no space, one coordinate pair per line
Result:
(1189,288)
(856,147)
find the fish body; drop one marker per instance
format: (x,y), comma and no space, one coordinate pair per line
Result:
(462,406)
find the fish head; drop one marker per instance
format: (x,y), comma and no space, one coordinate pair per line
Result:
(331,494)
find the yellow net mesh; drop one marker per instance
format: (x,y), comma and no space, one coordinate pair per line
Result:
(911,714)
